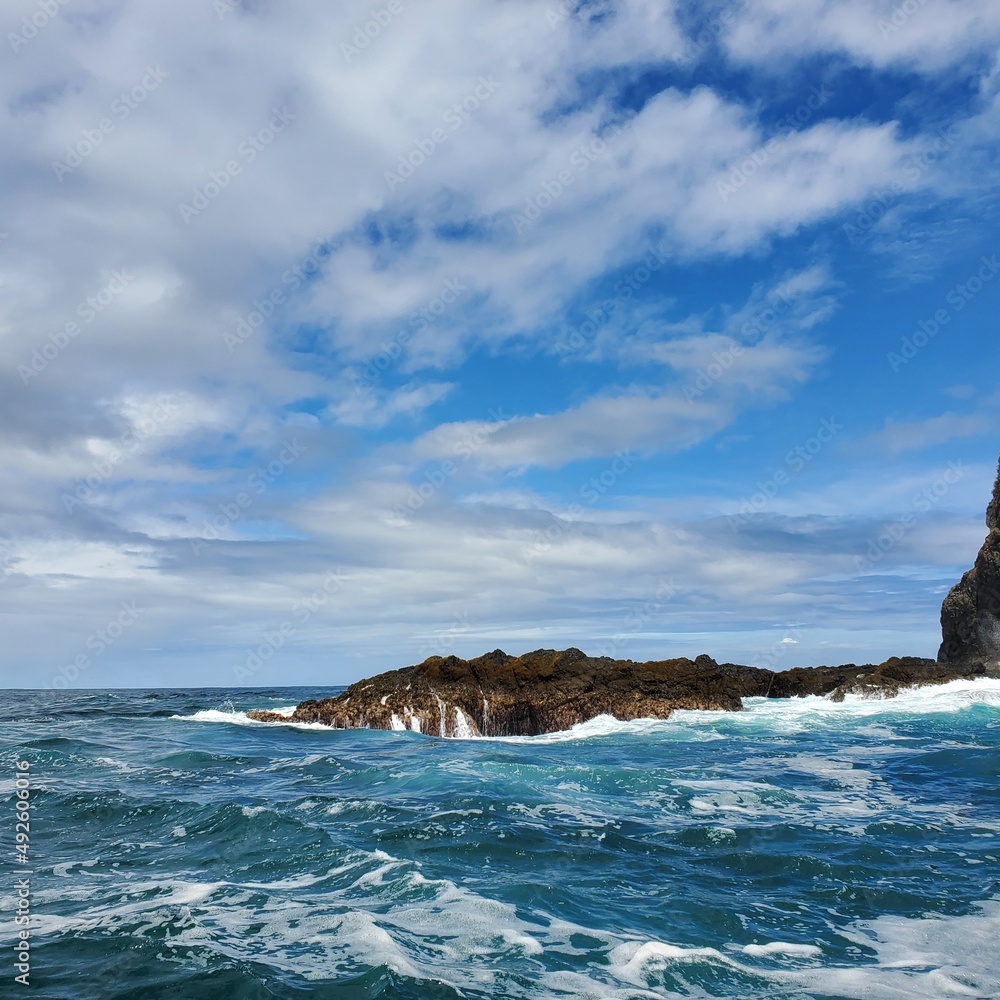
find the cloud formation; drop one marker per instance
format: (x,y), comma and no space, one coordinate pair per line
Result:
(532,292)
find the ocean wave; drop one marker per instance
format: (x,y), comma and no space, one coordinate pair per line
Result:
(599,726)
(955,696)
(924,958)
(799,848)
(789,714)
(235,717)
(386,914)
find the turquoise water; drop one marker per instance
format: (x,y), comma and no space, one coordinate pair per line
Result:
(797,849)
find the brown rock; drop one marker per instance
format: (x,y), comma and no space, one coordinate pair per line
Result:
(993,507)
(549,690)
(901,672)
(539,692)
(970,614)
(259,715)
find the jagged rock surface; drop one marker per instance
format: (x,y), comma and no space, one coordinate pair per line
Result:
(549,690)
(901,672)
(970,614)
(543,691)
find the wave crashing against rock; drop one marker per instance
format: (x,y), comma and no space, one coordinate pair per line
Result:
(551,690)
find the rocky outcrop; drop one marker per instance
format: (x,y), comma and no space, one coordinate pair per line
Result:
(901,672)
(970,614)
(539,692)
(549,690)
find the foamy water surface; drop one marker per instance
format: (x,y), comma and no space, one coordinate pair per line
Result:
(800,848)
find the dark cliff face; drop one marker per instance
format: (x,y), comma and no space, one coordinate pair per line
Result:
(993,509)
(970,614)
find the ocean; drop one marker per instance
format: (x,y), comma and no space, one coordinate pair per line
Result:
(796,849)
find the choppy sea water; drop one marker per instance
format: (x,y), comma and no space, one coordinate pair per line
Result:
(797,849)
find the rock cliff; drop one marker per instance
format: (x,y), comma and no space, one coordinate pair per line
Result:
(970,615)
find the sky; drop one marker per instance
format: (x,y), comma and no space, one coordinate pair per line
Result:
(336,336)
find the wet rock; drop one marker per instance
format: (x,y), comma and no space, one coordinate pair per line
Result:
(970,614)
(901,672)
(539,692)
(259,715)
(549,690)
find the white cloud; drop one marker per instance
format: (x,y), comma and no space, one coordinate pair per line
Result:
(900,435)
(370,407)
(222,83)
(715,377)
(921,35)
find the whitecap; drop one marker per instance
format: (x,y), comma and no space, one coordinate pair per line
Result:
(600,725)
(64,870)
(238,718)
(118,765)
(782,948)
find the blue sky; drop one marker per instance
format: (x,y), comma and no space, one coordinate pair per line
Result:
(334,339)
